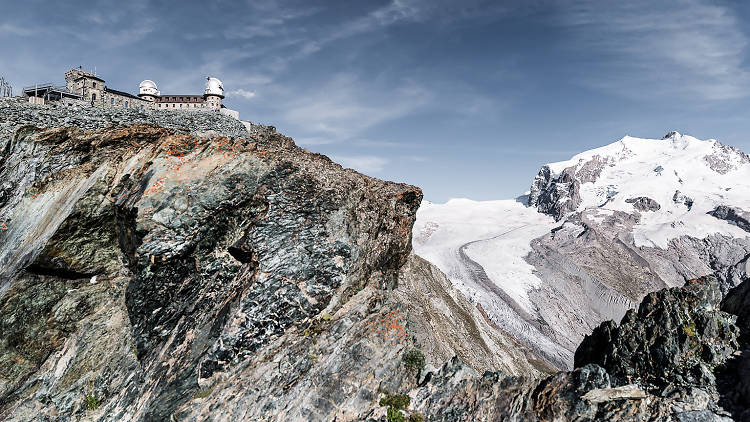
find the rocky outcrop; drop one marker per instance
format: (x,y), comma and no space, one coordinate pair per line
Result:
(624,373)
(140,264)
(734,379)
(733,215)
(644,203)
(680,198)
(675,339)
(556,195)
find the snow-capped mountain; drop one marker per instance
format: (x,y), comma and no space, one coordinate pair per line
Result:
(594,235)
(674,182)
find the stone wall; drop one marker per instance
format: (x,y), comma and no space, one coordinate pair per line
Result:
(17,112)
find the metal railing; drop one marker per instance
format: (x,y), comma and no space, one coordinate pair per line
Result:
(48,86)
(5,89)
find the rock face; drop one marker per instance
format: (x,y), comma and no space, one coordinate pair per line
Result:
(140,261)
(644,203)
(623,373)
(734,216)
(599,232)
(555,195)
(189,263)
(675,339)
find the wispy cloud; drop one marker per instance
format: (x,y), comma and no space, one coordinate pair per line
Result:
(14,29)
(345,106)
(242,93)
(688,48)
(361,163)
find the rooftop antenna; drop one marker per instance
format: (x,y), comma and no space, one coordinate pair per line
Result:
(94,70)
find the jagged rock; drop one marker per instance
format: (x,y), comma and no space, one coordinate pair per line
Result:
(556,195)
(675,339)
(733,215)
(721,159)
(644,203)
(680,198)
(645,377)
(733,381)
(206,249)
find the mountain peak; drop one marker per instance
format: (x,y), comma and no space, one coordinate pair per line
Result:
(672,134)
(671,172)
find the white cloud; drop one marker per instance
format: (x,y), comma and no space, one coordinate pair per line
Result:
(688,48)
(10,28)
(345,106)
(243,93)
(361,163)
(417,158)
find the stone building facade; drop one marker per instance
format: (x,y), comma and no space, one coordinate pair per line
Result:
(91,89)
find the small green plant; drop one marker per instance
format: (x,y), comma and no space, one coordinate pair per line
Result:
(416,417)
(326,317)
(414,361)
(312,357)
(203,393)
(689,330)
(394,415)
(92,403)
(395,404)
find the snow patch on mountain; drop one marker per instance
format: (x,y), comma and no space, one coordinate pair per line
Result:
(685,176)
(495,234)
(593,236)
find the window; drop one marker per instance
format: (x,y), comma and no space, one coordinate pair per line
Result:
(93,97)
(126,104)
(94,84)
(112,101)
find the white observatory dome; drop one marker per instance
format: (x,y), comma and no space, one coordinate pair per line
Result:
(148,87)
(214,87)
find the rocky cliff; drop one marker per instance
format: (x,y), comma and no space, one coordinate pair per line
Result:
(674,359)
(185,266)
(139,261)
(594,236)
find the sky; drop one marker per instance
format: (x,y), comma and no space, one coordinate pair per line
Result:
(465,99)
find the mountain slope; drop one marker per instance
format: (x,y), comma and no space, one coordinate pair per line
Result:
(165,265)
(595,235)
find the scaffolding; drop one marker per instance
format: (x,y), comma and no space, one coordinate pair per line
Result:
(5,89)
(42,93)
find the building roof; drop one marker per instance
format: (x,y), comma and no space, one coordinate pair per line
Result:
(90,76)
(42,89)
(124,94)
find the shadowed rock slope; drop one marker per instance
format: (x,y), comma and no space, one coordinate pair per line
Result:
(672,359)
(197,269)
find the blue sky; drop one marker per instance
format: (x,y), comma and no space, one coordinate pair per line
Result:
(462,98)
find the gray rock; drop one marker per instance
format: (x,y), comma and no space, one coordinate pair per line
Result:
(555,195)
(643,203)
(732,215)
(676,338)
(680,198)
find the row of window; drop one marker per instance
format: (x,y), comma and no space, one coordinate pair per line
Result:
(174,105)
(111,101)
(181,99)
